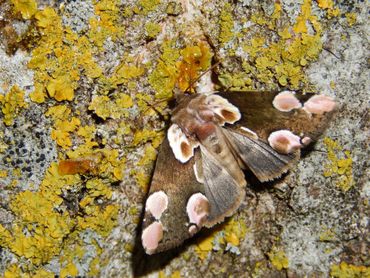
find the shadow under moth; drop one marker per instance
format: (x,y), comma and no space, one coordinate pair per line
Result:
(199,174)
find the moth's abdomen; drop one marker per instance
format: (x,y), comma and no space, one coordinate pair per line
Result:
(216,144)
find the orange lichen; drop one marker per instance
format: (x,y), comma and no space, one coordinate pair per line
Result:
(194,60)
(76,166)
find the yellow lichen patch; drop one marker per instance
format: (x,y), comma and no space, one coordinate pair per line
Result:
(27,8)
(281,61)
(142,179)
(60,58)
(38,96)
(147,6)
(101,220)
(62,131)
(3,173)
(149,156)
(87,132)
(145,135)
(234,231)
(176,274)
(13,271)
(328,235)
(124,72)
(94,267)
(226,236)
(44,227)
(68,271)
(152,29)
(163,77)
(61,88)
(351,18)
(339,166)
(278,259)
(106,107)
(204,246)
(11,104)
(325,4)
(64,125)
(112,165)
(328,5)
(226,24)
(344,270)
(106,23)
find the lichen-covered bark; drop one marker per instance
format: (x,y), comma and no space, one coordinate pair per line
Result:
(90,82)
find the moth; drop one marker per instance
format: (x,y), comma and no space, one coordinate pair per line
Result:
(213,139)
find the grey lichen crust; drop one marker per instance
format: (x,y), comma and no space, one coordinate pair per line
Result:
(301,225)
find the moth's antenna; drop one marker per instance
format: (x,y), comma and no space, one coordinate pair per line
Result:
(152,106)
(200,76)
(332,53)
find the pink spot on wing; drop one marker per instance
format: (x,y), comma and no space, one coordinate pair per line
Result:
(156,204)
(286,101)
(193,229)
(182,147)
(284,141)
(306,140)
(151,237)
(319,104)
(197,209)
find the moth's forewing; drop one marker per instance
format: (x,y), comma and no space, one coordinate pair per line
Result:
(178,182)
(260,115)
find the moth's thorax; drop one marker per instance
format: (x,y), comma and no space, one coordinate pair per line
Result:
(196,115)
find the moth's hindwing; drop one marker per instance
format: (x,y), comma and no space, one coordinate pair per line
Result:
(259,157)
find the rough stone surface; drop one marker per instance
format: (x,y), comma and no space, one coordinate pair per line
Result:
(303,225)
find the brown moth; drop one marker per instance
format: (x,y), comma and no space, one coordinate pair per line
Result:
(199,175)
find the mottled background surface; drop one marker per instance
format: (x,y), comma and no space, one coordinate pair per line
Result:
(90,81)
